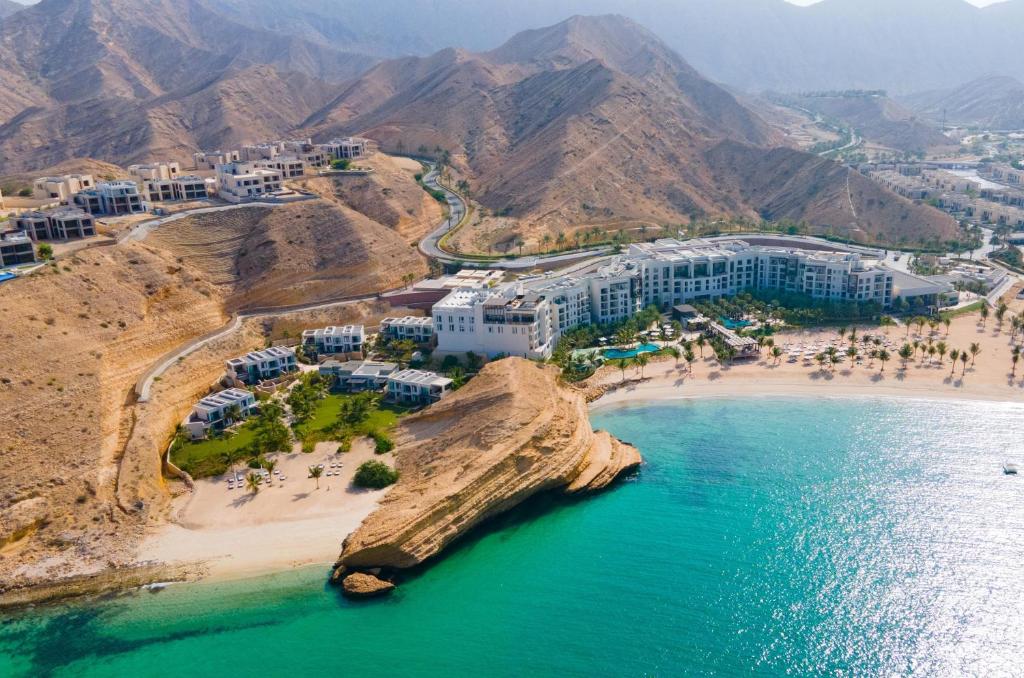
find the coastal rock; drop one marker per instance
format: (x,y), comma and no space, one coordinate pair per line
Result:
(363,585)
(509,434)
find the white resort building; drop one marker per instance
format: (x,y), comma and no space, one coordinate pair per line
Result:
(163,182)
(413,328)
(112,198)
(61,188)
(331,340)
(257,366)
(504,320)
(357,375)
(15,249)
(347,148)
(218,411)
(61,223)
(417,387)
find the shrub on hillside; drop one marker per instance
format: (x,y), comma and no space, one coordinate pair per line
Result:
(374,475)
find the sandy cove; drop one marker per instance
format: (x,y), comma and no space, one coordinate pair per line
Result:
(235,533)
(989,378)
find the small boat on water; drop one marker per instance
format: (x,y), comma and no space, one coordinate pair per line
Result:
(1010,469)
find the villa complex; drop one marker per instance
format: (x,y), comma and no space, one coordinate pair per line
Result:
(257,366)
(61,223)
(332,340)
(527,320)
(357,375)
(112,198)
(215,412)
(239,181)
(163,182)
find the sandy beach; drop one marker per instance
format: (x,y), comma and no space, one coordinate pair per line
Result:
(235,533)
(989,378)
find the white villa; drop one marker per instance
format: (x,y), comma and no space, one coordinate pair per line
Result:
(112,198)
(214,412)
(16,248)
(357,375)
(505,320)
(163,182)
(417,387)
(417,329)
(331,340)
(269,363)
(61,223)
(61,188)
(241,181)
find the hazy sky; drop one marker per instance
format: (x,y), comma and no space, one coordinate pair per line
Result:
(979,3)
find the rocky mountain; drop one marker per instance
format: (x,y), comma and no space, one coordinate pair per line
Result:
(878,118)
(899,45)
(126,79)
(9,7)
(594,121)
(994,102)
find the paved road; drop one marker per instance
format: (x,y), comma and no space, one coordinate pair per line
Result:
(145,383)
(430,247)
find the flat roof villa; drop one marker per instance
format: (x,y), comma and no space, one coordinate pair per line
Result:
(15,249)
(242,181)
(417,387)
(112,198)
(61,223)
(214,412)
(208,160)
(335,339)
(61,188)
(346,147)
(258,366)
(505,320)
(358,375)
(413,328)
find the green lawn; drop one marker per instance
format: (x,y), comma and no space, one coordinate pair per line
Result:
(383,418)
(970,308)
(205,458)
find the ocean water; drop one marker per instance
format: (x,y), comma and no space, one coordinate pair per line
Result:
(763,537)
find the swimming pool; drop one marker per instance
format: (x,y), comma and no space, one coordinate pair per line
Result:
(615,353)
(731,324)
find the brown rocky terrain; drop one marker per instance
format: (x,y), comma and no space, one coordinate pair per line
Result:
(526,434)
(992,102)
(592,122)
(80,459)
(128,79)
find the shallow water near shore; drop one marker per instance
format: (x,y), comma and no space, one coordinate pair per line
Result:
(763,535)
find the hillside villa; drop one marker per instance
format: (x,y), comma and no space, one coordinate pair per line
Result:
(214,412)
(61,188)
(15,249)
(111,198)
(258,366)
(417,387)
(357,375)
(61,223)
(332,340)
(242,181)
(417,329)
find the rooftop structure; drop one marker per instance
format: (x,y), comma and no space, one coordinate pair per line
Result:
(412,328)
(257,366)
(209,160)
(112,198)
(505,320)
(243,181)
(217,411)
(358,375)
(348,148)
(417,387)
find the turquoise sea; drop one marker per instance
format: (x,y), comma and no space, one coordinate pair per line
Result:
(763,537)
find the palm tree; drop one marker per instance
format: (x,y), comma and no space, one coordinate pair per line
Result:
(883,357)
(842,333)
(1001,312)
(252,481)
(641,362)
(1015,358)
(675,353)
(963,359)
(626,335)
(832,353)
(975,349)
(851,353)
(984,315)
(622,364)
(853,335)
(820,359)
(701,341)
(906,352)
(931,355)
(316,472)
(947,321)
(920,322)
(940,349)
(689,359)
(953,356)
(777,353)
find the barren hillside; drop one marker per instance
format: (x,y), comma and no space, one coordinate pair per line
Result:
(995,103)
(594,122)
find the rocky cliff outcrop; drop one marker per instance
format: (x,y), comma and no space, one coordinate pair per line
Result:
(512,432)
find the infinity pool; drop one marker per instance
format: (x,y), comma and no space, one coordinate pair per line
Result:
(616,353)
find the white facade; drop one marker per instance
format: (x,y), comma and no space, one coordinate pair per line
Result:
(501,321)
(357,375)
(332,339)
(213,413)
(240,181)
(256,366)
(417,387)
(413,328)
(62,187)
